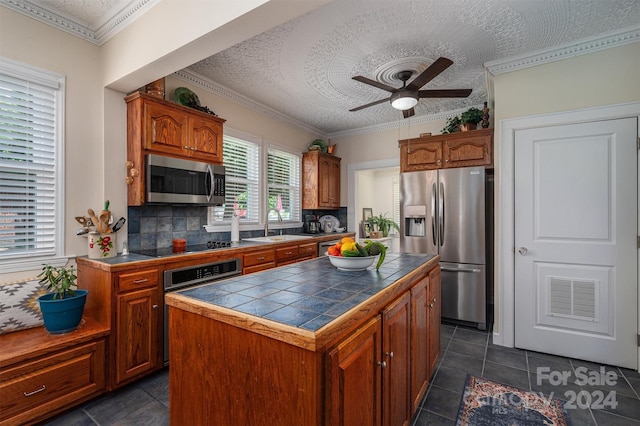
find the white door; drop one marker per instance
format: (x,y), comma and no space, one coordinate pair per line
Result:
(576,199)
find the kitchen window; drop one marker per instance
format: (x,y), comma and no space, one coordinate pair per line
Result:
(283,185)
(32,167)
(249,195)
(241,159)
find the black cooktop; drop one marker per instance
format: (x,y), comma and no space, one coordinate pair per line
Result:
(193,248)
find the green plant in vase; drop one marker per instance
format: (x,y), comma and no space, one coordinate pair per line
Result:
(59,280)
(62,307)
(470,119)
(384,224)
(452,125)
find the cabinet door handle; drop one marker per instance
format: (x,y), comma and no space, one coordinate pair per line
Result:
(35,391)
(155,307)
(260,258)
(389,354)
(431,305)
(289,253)
(140,281)
(434,300)
(382,364)
(186,147)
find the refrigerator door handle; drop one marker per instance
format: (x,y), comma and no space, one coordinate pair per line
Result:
(433,212)
(460,270)
(441,213)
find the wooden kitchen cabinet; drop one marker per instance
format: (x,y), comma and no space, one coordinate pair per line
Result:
(157,126)
(434,312)
(354,377)
(460,149)
(43,374)
(396,353)
(138,324)
(258,261)
(130,301)
(320,181)
(381,371)
(420,337)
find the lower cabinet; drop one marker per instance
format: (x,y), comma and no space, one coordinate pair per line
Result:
(379,374)
(258,261)
(396,359)
(138,324)
(420,337)
(138,333)
(353,392)
(434,312)
(69,370)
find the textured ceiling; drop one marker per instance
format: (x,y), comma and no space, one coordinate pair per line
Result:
(303,68)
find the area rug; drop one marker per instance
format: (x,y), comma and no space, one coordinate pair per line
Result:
(487,403)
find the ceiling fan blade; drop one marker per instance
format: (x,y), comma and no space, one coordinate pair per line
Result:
(369,105)
(373,83)
(430,73)
(408,113)
(447,93)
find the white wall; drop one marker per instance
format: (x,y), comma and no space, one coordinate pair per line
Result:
(26,40)
(606,77)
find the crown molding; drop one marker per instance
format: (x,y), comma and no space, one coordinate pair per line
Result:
(226,93)
(415,120)
(97,36)
(582,47)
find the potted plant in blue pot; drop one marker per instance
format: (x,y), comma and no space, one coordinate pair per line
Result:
(61,308)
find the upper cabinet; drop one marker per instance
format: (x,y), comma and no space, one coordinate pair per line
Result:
(320,180)
(460,149)
(157,126)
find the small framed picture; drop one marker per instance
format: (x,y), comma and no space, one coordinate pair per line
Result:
(367,214)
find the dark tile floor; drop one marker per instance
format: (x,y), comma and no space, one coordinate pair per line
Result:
(464,350)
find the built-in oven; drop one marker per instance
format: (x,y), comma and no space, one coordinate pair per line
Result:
(190,276)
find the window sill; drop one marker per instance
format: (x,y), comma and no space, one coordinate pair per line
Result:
(24,265)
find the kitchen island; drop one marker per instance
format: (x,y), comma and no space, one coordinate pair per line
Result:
(306,344)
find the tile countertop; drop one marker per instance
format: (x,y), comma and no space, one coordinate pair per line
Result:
(302,298)
(235,249)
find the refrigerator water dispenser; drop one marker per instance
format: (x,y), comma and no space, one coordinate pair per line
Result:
(415,218)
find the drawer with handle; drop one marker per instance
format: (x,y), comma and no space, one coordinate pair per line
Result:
(31,390)
(258,258)
(137,280)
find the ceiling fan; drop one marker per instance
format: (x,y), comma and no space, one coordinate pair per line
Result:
(406,97)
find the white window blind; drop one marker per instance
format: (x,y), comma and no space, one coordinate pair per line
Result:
(31,171)
(283,185)
(242,162)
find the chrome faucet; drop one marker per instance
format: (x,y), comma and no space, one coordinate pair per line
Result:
(266,221)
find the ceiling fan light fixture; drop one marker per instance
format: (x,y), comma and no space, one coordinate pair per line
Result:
(404,99)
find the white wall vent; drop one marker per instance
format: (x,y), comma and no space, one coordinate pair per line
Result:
(573,298)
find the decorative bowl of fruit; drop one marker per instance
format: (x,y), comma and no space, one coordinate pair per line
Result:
(348,255)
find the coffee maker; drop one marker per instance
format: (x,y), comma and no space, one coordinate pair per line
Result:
(311,224)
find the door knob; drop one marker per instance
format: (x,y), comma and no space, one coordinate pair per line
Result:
(523,251)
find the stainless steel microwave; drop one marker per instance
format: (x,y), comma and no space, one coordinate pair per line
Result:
(178,181)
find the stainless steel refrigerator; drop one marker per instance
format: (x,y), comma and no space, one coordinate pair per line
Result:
(443,212)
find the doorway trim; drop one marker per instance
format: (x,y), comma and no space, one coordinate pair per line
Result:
(505,214)
(352,168)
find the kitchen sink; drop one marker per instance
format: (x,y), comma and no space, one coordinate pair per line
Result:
(276,238)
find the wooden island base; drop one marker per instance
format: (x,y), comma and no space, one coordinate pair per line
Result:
(230,368)
(247,378)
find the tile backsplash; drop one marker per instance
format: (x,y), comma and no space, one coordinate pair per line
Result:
(156,226)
